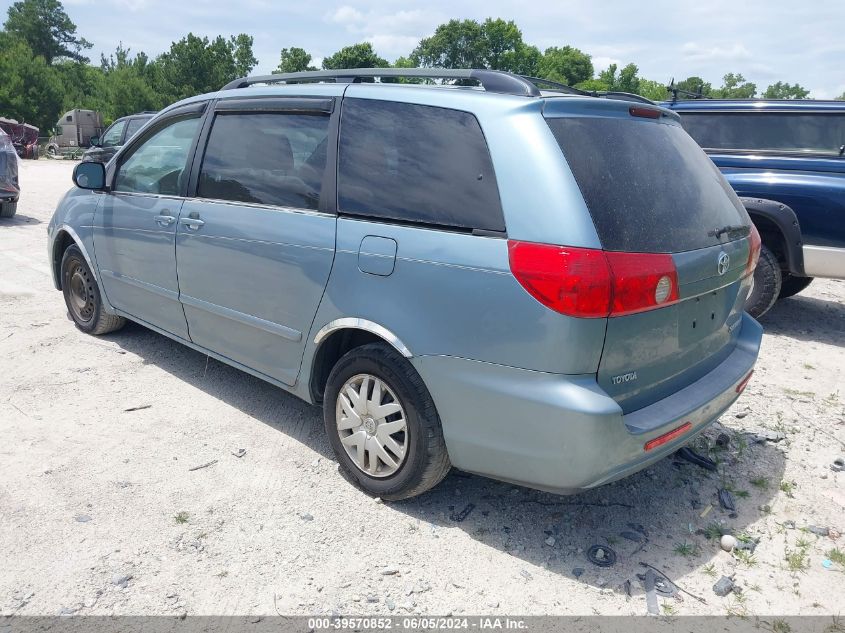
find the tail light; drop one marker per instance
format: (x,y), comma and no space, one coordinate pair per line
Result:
(667,437)
(744,382)
(592,283)
(753,251)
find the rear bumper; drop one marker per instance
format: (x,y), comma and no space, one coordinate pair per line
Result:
(562,433)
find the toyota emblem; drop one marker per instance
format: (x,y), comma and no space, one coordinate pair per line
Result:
(724,263)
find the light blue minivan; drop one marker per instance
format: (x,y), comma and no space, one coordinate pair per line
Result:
(540,286)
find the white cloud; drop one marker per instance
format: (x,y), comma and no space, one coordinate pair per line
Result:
(696,52)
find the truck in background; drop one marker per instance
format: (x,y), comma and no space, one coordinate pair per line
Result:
(74,131)
(24,137)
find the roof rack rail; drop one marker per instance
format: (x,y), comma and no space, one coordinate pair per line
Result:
(491,80)
(608,94)
(675,91)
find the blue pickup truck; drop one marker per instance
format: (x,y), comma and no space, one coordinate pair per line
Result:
(786,160)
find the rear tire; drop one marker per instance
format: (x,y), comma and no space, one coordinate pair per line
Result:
(354,431)
(8,209)
(792,285)
(82,296)
(767,284)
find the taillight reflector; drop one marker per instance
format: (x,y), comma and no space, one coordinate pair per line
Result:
(647,113)
(742,385)
(667,437)
(754,244)
(591,283)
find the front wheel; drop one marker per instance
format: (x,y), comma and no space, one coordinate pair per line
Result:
(8,209)
(767,283)
(82,296)
(383,425)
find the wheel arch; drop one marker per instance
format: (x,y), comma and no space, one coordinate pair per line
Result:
(779,230)
(66,236)
(337,338)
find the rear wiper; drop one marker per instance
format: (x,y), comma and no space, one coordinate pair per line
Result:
(842,150)
(738,230)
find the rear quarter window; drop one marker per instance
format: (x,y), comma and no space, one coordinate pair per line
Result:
(648,186)
(419,164)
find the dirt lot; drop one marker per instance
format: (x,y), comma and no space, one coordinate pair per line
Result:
(101,514)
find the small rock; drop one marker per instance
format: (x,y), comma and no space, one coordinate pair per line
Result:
(525,574)
(306,517)
(742,414)
(372,599)
(550,541)
(723,586)
(378,500)
(789,525)
(121,580)
(389,571)
(820,531)
(723,440)
(577,572)
(82,518)
(601,582)
(633,536)
(390,604)
(493,604)
(728,542)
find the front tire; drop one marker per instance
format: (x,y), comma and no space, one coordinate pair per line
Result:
(383,425)
(8,209)
(767,284)
(792,285)
(82,296)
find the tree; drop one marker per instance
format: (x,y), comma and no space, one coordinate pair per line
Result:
(654,90)
(781,90)
(47,29)
(735,86)
(566,65)
(493,44)
(241,47)
(294,60)
(841,97)
(356,56)
(30,91)
(128,84)
(694,85)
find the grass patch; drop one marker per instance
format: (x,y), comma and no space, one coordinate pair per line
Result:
(788,488)
(714,531)
(799,393)
(181,517)
(669,609)
(686,549)
(796,560)
(761,483)
(745,557)
(837,556)
(710,570)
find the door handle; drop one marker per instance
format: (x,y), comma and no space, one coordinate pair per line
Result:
(164,220)
(192,223)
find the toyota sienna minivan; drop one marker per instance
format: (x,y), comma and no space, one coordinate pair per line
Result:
(540,286)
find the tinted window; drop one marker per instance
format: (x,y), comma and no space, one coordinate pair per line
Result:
(819,133)
(648,186)
(274,159)
(133,126)
(418,164)
(112,136)
(157,165)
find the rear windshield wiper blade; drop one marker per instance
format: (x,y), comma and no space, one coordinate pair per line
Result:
(738,230)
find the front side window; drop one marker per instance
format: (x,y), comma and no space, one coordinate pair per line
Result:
(777,132)
(416,163)
(273,159)
(157,166)
(133,126)
(112,136)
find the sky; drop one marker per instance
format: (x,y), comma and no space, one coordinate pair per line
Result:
(766,41)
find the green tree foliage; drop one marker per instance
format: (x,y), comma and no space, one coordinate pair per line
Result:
(695,85)
(654,90)
(841,97)
(356,56)
(734,86)
(128,84)
(566,65)
(47,29)
(294,60)
(30,90)
(783,90)
(493,44)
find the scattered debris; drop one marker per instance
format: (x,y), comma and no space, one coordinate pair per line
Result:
(768,436)
(458,517)
(726,500)
(651,593)
(626,586)
(838,464)
(306,517)
(723,586)
(747,544)
(239,453)
(687,454)
(390,604)
(742,414)
(633,536)
(550,541)
(728,542)
(82,518)
(789,525)
(827,563)
(601,555)
(138,408)
(676,585)
(706,511)
(389,571)
(662,585)
(819,531)
(525,574)
(121,580)
(723,440)
(578,572)
(211,463)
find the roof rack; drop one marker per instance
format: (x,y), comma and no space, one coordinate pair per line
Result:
(491,80)
(675,91)
(608,94)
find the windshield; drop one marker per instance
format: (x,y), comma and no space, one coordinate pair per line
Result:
(648,186)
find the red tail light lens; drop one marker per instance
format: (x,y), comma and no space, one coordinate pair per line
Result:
(667,437)
(591,283)
(744,382)
(754,251)
(574,281)
(642,281)
(647,113)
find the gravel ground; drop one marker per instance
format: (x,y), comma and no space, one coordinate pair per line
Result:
(100,512)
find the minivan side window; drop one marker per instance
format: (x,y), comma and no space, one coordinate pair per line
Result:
(112,136)
(415,163)
(817,133)
(273,159)
(158,164)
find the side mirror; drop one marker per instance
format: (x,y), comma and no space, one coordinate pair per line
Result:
(95,141)
(90,176)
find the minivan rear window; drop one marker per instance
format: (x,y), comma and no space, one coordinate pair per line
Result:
(417,164)
(648,186)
